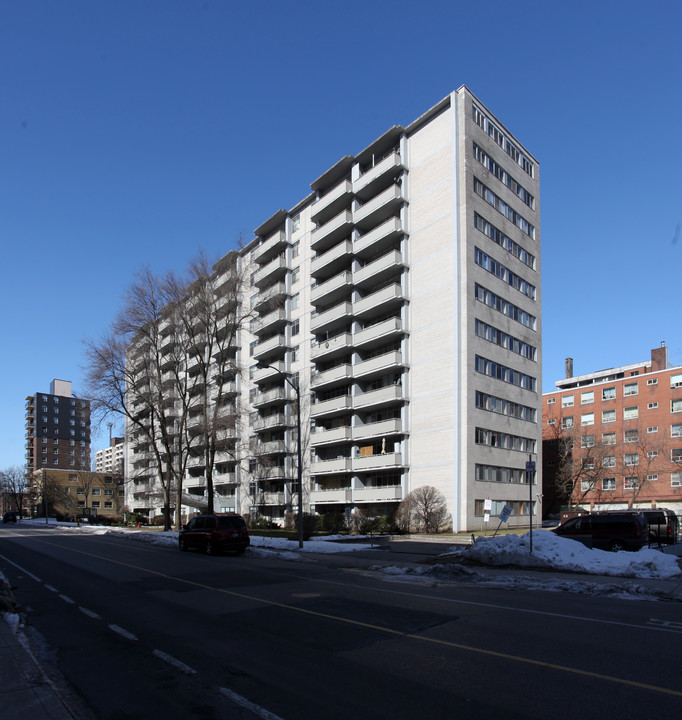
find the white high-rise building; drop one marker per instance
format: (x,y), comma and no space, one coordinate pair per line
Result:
(111,459)
(403,296)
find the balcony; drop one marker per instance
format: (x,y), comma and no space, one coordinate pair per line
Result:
(384,171)
(380,238)
(276,395)
(393,426)
(268,298)
(269,322)
(269,373)
(270,273)
(334,376)
(274,447)
(334,465)
(388,493)
(335,495)
(332,203)
(334,435)
(331,347)
(380,270)
(388,395)
(384,299)
(271,421)
(331,319)
(378,462)
(271,498)
(333,290)
(333,260)
(273,245)
(334,406)
(228,478)
(378,209)
(275,345)
(378,333)
(332,231)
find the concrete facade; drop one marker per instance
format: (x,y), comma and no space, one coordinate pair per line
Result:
(403,296)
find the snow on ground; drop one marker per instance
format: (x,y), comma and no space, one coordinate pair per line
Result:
(552,551)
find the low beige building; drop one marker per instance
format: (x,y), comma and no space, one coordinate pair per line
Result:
(77,494)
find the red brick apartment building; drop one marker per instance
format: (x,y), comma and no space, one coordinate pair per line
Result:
(613,439)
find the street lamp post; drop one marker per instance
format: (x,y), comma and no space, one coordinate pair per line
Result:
(262,365)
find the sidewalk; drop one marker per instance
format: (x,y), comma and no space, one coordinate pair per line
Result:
(26,693)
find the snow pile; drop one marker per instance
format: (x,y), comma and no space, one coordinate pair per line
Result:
(552,551)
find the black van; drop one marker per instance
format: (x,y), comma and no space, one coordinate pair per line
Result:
(607,530)
(664,525)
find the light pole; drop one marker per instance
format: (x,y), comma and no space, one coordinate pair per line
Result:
(262,365)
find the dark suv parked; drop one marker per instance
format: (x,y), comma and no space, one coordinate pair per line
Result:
(215,534)
(607,531)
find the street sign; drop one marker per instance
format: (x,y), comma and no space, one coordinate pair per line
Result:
(486,517)
(530,466)
(505,514)
(487,505)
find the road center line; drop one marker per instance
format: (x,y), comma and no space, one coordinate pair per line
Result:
(177,664)
(121,631)
(261,712)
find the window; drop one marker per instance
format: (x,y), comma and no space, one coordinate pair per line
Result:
(608,484)
(108,504)
(295,327)
(587,419)
(551,401)
(630,459)
(676,381)
(608,438)
(652,429)
(295,223)
(567,401)
(504,307)
(587,441)
(631,483)
(567,422)
(503,176)
(503,208)
(585,485)
(502,272)
(676,430)
(551,421)
(296,249)
(676,405)
(504,241)
(295,275)
(652,478)
(294,354)
(295,301)
(608,393)
(608,416)
(676,455)
(501,338)
(630,389)
(502,372)
(652,453)
(588,463)
(96,491)
(73,478)
(608,461)
(587,397)
(95,503)
(631,436)
(652,406)
(676,479)
(631,413)
(652,381)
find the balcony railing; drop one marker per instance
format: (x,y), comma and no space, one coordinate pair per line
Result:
(380,363)
(392,426)
(332,346)
(384,298)
(337,405)
(332,260)
(331,376)
(380,332)
(333,202)
(332,231)
(382,268)
(332,290)
(275,269)
(334,317)
(363,186)
(378,209)
(334,465)
(270,246)
(383,396)
(378,462)
(377,239)
(337,434)
(335,495)
(388,493)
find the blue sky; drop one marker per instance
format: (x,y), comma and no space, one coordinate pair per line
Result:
(138,132)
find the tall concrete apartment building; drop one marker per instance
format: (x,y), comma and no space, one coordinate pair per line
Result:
(111,459)
(402,296)
(57,429)
(623,426)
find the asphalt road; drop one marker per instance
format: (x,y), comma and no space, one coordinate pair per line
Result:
(140,631)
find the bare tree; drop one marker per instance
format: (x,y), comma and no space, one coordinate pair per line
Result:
(132,373)
(14,486)
(425,509)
